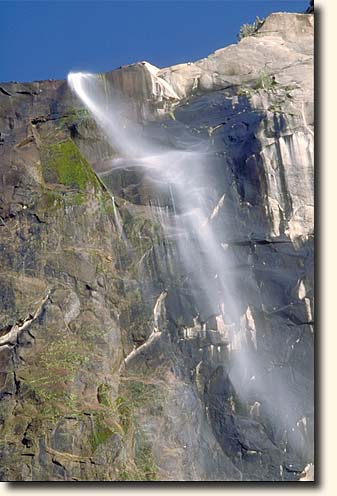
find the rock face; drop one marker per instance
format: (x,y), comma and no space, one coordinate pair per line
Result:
(115,362)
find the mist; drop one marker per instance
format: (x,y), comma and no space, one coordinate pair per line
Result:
(184,173)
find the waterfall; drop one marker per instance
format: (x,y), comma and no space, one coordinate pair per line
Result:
(195,203)
(117,219)
(183,171)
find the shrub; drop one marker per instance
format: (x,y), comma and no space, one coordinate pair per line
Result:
(249,29)
(265,81)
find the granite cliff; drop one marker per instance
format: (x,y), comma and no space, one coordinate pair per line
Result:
(118,360)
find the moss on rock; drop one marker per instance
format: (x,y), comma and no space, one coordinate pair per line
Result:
(143,467)
(63,163)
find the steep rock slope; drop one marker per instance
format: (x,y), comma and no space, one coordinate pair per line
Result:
(114,363)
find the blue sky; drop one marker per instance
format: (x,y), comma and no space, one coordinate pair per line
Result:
(47,39)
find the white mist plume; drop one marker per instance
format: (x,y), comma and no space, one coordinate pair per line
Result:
(184,172)
(111,112)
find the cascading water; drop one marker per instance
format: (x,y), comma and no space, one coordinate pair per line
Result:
(117,219)
(184,173)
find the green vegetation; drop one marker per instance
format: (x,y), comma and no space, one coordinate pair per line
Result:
(55,199)
(104,394)
(125,412)
(78,199)
(139,394)
(107,203)
(290,87)
(144,459)
(47,401)
(65,353)
(52,200)
(73,116)
(249,29)
(275,108)
(64,164)
(50,401)
(116,416)
(101,430)
(144,468)
(47,382)
(265,81)
(100,436)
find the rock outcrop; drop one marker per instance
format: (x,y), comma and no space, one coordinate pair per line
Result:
(115,363)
